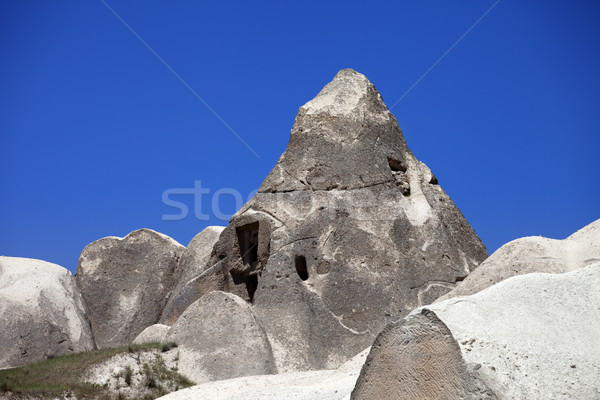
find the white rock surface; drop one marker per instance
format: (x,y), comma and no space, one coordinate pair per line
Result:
(533,254)
(41,312)
(530,337)
(310,385)
(345,96)
(536,336)
(156,333)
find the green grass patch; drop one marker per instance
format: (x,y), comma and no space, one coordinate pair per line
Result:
(65,374)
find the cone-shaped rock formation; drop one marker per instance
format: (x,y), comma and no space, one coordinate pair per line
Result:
(348,232)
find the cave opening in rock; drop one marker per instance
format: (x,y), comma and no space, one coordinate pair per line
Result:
(400,177)
(396,166)
(250,280)
(301,269)
(248,241)
(247,236)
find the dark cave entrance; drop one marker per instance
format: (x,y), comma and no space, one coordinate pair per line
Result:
(301,269)
(250,280)
(396,166)
(247,236)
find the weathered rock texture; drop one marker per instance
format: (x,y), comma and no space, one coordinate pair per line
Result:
(418,359)
(156,333)
(533,254)
(533,336)
(125,283)
(348,232)
(219,337)
(191,277)
(41,312)
(306,385)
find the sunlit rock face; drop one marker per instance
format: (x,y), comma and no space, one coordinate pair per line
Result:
(348,232)
(41,312)
(125,283)
(532,336)
(533,254)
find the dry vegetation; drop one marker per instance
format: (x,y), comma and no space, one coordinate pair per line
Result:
(144,375)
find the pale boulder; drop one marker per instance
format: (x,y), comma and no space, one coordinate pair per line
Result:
(41,312)
(533,254)
(220,337)
(156,333)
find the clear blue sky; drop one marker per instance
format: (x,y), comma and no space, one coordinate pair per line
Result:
(94,128)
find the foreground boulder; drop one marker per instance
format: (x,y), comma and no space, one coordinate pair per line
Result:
(307,385)
(192,279)
(125,283)
(156,333)
(533,254)
(348,232)
(219,337)
(41,312)
(533,336)
(419,359)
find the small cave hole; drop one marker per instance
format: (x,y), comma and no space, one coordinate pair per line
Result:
(400,177)
(395,165)
(301,268)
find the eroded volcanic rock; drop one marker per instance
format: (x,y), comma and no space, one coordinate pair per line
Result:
(533,254)
(348,232)
(191,277)
(41,312)
(219,337)
(419,359)
(533,336)
(125,283)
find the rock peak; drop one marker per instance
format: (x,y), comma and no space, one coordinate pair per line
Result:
(349,94)
(343,138)
(349,230)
